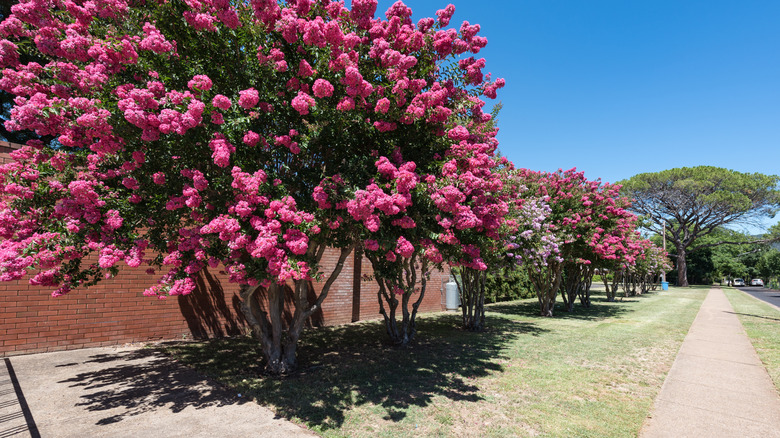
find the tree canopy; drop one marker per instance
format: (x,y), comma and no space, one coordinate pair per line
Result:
(692,202)
(247,134)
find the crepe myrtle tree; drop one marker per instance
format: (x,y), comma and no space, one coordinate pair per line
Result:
(473,198)
(586,218)
(605,222)
(617,251)
(391,216)
(535,248)
(566,193)
(650,263)
(425,211)
(591,210)
(198,133)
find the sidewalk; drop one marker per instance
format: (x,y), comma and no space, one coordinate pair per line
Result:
(717,386)
(123,392)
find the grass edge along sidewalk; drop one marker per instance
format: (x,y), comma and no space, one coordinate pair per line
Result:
(594,372)
(762,325)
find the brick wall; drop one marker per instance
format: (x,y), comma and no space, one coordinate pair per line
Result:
(115,311)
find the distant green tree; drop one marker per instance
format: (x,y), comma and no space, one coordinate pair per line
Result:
(769,265)
(693,202)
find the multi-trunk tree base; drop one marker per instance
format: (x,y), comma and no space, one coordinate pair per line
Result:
(471,286)
(279,343)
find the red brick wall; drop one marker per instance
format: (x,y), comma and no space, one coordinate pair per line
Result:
(115,311)
(5,149)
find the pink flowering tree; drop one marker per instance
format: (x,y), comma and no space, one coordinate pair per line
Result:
(602,216)
(473,197)
(204,133)
(394,211)
(651,261)
(617,253)
(582,214)
(392,215)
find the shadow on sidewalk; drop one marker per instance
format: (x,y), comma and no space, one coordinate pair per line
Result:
(139,381)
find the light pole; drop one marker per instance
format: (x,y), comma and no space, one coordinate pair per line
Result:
(663,273)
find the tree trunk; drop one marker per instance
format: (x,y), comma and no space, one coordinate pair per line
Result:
(629,284)
(645,286)
(587,281)
(610,291)
(682,267)
(267,326)
(404,333)
(546,282)
(571,284)
(472,297)
(279,345)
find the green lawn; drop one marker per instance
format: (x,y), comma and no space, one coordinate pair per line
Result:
(592,373)
(762,324)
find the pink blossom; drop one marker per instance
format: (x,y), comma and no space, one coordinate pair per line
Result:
(404,248)
(458,133)
(322,88)
(371,245)
(221,102)
(221,150)
(248,98)
(383,126)
(304,69)
(445,15)
(217,118)
(251,138)
(131,183)
(296,241)
(155,41)
(346,104)
(382,105)
(302,102)
(200,83)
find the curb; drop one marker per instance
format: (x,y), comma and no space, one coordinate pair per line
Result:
(758,299)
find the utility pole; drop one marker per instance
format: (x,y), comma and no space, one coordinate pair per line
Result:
(663,273)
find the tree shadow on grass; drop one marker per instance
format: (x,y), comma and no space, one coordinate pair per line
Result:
(129,383)
(349,366)
(754,316)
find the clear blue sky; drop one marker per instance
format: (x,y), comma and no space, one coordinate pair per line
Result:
(621,87)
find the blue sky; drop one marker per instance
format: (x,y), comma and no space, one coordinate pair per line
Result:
(621,87)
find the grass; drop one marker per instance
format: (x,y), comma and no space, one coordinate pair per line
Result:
(762,324)
(594,372)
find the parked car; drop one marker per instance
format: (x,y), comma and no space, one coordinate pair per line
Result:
(738,282)
(757,282)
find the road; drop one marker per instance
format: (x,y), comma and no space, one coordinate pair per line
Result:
(771,296)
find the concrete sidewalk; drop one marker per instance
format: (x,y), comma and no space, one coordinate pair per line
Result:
(717,386)
(123,392)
